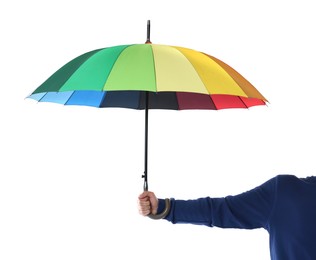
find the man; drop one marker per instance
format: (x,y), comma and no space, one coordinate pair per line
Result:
(285,206)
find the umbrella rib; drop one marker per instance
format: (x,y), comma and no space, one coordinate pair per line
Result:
(103,97)
(243,102)
(228,70)
(42,97)
(177,100)
(154,66)
(198,75)
(69,98)
(216,108)
(113,64)
(139,100)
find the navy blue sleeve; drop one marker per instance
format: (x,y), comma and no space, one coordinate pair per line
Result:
(247,210)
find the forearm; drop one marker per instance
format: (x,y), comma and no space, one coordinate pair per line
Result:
(227,212)
(196,212)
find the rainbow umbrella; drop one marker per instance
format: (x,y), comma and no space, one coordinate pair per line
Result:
(148,76)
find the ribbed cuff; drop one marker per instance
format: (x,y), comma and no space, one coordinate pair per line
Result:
(161,205)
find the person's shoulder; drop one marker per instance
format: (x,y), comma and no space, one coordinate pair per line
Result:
(281,180)
(282,177)
(286,177)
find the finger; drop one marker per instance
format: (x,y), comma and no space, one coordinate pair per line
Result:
(144,203)
(143,200)
(143,195)
(144,207)
(144,210)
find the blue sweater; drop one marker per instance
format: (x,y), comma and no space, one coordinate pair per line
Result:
(285,206)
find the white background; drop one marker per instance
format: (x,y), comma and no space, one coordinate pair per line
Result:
(70,176)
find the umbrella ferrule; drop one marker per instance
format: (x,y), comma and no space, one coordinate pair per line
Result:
(148,32)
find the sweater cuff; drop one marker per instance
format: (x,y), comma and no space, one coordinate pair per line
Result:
(162,210)
(161,206)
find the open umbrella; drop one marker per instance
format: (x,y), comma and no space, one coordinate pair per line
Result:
(148,76)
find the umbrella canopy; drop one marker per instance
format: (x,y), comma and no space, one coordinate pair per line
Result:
(175,77)
(149,76)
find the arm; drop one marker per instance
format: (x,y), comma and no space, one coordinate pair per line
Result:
(247,210)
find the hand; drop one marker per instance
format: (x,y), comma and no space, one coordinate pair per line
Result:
(147,203)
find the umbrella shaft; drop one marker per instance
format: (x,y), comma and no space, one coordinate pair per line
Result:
(146,142)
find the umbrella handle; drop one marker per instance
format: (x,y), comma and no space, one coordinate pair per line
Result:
(164,213)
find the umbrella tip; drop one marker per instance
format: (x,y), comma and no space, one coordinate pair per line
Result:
(148,33)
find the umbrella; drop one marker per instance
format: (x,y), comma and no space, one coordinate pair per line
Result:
(148,76)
